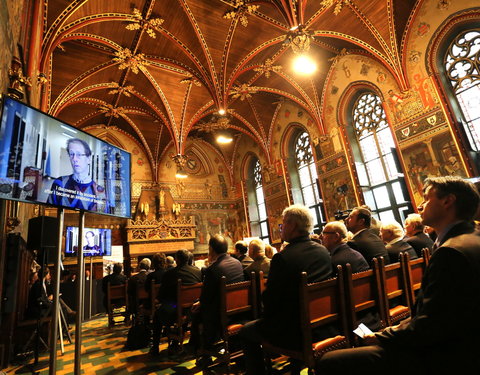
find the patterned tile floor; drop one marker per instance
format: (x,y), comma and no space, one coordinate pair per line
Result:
(104,353)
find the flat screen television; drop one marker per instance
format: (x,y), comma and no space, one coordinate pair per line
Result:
(44,160)
(97,242)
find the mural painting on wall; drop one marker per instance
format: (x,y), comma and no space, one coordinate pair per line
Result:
(275,209)
(209,222)
(433,157)
(223,185)
(403,105)
(338,193)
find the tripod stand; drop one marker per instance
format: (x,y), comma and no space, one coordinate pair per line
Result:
(36,337)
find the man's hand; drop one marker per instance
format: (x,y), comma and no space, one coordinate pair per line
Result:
(370,339)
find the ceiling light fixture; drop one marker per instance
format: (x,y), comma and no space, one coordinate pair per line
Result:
(224,139)
(304,65)
(181,173)
(221,112)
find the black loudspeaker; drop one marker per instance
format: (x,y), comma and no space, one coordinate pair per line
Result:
(42,232)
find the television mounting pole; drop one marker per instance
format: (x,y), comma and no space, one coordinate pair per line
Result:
(80,292)
(56,296)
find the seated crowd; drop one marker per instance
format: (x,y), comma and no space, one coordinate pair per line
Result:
(359,241)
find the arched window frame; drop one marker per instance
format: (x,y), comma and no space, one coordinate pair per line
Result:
(257,210)
(436,57)
(304,177)
(379,172)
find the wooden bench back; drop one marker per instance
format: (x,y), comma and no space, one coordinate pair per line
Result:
(394,291)
(363,291)
(414,270)
(115,292)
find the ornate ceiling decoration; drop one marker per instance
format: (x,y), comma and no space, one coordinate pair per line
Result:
(159,69)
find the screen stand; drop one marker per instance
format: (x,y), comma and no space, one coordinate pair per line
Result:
(80,294)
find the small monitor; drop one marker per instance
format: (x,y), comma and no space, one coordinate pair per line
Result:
(97,242)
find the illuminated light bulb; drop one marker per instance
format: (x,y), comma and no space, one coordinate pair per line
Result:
(181,174)
(221,112)
(304,65)
(224,139)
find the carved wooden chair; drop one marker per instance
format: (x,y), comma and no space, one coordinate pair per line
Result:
(321,304)
(117,302)
(364,298)
(187,295)
(394,289)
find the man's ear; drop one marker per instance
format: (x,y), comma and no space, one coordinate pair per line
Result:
(449,200)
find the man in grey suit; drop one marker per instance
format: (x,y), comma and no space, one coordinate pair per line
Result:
(364,240)
(442,336)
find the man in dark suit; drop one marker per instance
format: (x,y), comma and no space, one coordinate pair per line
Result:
(240,253)
(167,295)
(280,323)
(416,237)
(206,311)
(364,240)
(392,234)
(136,282)
(334,237)
(442,337)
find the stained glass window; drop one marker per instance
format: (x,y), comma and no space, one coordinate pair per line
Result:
(257,208)
(462,69)
(307,176)
(382,182)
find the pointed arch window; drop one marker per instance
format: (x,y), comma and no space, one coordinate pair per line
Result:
(304,178)
(256,202)
(462,69)
(377,167)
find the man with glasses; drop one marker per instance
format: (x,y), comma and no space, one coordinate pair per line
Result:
(78,190)
(442,336)
(334,238)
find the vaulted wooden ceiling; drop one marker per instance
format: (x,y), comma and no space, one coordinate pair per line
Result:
(160,69)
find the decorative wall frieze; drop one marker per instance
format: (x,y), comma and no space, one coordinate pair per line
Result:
(420,128)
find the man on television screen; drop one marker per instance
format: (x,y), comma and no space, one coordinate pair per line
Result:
(78,190)
(91,248)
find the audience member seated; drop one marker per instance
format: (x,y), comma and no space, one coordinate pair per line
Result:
(166,313)
(392,234)
(364,240)
(159,264)
(136,282)
(115,278)
(270,251)
(256,251)
(280,324)
(334,238)
(40,296)
(170,262)
(240,252)
(206,311)
(375,224)
(416,236)
(442,338)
